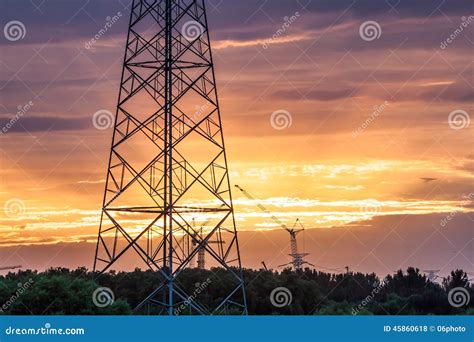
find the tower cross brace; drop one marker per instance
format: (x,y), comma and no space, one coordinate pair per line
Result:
(168,164)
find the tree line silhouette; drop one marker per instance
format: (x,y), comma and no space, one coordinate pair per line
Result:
(60,291)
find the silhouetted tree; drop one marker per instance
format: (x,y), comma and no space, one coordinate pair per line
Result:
(69,292)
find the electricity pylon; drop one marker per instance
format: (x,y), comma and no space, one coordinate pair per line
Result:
(297,259)
(168,162)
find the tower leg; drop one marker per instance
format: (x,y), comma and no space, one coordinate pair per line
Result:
(168,165)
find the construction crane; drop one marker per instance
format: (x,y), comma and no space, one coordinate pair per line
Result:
(297,258)
(432,274)
(3,268)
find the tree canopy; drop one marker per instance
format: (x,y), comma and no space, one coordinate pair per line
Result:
(61,291)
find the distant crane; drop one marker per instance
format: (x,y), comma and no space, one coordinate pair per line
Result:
(432,274)
(297,258)
(3,268)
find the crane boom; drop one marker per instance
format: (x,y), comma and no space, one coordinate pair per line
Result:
(297,258)
(262,208)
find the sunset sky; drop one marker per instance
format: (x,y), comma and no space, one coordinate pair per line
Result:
(378,133)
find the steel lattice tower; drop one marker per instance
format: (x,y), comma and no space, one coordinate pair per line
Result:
(168,166)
